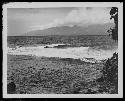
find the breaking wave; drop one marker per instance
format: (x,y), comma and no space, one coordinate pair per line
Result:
(84,53)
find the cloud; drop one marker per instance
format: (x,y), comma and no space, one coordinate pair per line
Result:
(82,17)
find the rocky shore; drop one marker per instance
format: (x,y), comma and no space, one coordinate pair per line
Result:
(53,75)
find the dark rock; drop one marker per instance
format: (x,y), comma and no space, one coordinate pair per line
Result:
(46,47)
(100,79)
(61,46)
(11,88)
(100,90)
(22,92)
(76,91)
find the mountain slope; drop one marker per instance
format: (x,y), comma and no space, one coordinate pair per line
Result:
(75,30)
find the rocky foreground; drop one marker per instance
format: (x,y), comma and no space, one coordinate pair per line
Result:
(41,75)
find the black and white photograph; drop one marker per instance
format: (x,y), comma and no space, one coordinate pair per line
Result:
(63,49)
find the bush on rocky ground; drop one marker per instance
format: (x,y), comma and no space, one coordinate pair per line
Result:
(110,74)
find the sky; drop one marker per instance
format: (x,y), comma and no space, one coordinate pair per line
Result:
(23,20)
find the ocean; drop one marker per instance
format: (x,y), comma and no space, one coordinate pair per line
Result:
(89,48)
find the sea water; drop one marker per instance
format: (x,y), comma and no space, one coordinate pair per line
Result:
(92,52)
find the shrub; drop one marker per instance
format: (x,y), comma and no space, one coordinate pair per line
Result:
(110,72)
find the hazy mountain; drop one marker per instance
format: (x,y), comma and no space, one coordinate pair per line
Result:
(98,29)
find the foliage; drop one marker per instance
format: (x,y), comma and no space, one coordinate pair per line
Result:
(110,70)
(114,31)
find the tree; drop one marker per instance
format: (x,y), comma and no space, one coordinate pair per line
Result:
(114,31)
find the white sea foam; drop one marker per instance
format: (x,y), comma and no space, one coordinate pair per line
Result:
(74,52)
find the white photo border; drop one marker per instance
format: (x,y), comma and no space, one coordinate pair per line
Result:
(64,4)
